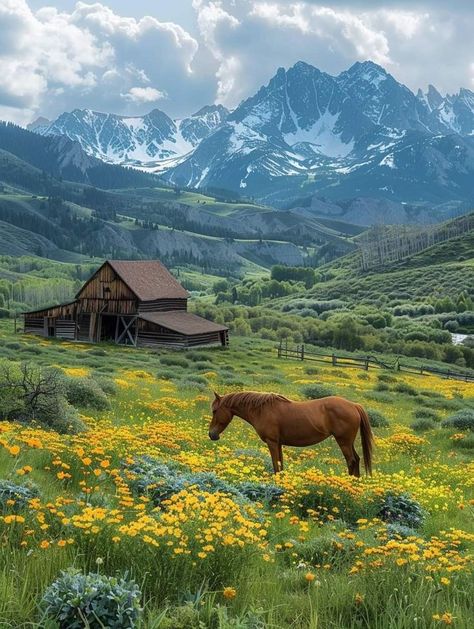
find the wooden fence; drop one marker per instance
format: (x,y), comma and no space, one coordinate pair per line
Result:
(300,352)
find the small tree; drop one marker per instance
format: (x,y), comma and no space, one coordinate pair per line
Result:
(30,393)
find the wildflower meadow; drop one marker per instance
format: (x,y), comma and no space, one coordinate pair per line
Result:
(139,520)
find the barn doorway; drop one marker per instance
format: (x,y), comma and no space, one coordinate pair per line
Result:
(119,329)
(108,326)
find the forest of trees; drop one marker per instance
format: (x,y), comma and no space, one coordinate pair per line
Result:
(383,245)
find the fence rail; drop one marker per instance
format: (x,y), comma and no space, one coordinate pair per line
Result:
(367,362)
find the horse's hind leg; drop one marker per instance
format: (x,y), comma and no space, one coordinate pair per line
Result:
(356,466)
(351,456)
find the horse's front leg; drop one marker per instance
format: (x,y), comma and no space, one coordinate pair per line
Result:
(280,456)
(275,453)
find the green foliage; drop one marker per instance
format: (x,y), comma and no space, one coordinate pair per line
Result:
(377,419)
(425,413)
(306,275)
(406,389)
(394,530)
(422,424)
(316,391)
(465,444)
(19,494)
(260,492)
(174,361)
(86,393)
(326,550)
(462,420)
(107,385)
(401,509)
(159,481)
(75,600)
(31,393)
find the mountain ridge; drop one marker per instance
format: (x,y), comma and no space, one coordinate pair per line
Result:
(360,131)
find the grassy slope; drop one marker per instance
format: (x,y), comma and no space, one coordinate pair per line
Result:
(168,414)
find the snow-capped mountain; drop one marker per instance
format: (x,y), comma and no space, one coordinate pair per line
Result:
(135,141)
(361,132)
(306,131)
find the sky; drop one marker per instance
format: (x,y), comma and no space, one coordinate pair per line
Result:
(178,55)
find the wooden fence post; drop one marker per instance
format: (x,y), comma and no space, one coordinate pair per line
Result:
(302,352)
(279,348)
(366,364)
(334,360)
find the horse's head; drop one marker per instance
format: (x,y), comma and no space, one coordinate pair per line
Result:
(221,417)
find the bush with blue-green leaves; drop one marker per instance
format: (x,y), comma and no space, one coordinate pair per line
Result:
(75,600)
(462,420)
(401,509)
(15,496)
(159,481)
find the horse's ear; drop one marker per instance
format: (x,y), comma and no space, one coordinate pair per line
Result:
(217,396)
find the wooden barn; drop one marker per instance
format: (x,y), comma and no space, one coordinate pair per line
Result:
(135,303)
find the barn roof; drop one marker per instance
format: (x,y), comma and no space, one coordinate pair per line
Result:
(148,279)
(182,321)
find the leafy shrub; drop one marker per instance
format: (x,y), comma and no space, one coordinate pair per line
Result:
(75,600)
(20,494)
(422,424)
(316,391)
(386,377)
(401,509)
(32,349)
(403,387)
(159,481)
(326,550)
(61,416)
(13,345)
(86,393)
(311,371)
(400,530)
(97,351)
(381,396)
(324,498)
(425,413)
(463,420)
(203,366)
(107,385)
(260,492)
(197,356)
(381,386)
(174,361)
(442,404)
(377,419)
(31,393)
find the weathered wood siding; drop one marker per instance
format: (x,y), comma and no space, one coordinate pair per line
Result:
(119,306)
(35,325)
(106,292)
(65,329)
(160,305)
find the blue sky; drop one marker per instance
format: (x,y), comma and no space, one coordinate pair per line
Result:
(129,57)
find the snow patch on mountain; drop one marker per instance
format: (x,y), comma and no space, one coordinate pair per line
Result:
(323,136)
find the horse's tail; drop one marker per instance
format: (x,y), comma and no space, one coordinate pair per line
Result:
(367,438)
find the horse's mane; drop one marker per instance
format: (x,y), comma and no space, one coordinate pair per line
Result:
(252,400)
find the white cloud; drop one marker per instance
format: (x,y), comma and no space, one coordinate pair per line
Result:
(54,59)
(143,95)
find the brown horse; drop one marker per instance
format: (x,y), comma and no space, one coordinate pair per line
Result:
(282,422)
